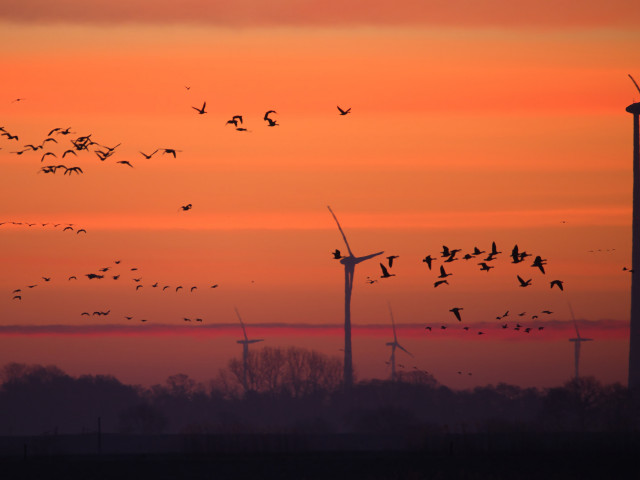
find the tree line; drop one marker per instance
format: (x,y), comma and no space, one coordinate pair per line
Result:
(295,390)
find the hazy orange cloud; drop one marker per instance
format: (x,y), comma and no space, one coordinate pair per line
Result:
(554,330)
(538,13)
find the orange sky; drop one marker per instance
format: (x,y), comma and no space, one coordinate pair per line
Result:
(464,130)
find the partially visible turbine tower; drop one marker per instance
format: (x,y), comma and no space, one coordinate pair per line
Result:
(577,341)
(245,351)
(393,346)
(349,263)
(634,331)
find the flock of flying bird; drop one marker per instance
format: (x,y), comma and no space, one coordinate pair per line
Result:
(107,272)
(450,255)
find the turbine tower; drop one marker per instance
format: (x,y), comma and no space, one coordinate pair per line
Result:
(245,351)
(634,331)
(349,263)
(393,346)
(577,341)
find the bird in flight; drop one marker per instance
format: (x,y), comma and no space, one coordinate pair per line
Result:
(76,170)
(440,282)
(523,283)
(385,272)
(336,254)
(344,112)
(91,276)
(271,123)
(48,153)
(234,120)
(443,274)
(390,258)
(485,267)
(170,151)
(125,162)
(428,261)
(81,230)
(539,262)
(200,110)
(150,155)
(17,297)
(266,115)
(456,312)
(557,283)
(186,207)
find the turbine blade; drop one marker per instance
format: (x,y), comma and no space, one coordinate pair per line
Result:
(242,324)
(344,237)
(634,82)
(367,257)
(574,321)
(393,324)
(404,350)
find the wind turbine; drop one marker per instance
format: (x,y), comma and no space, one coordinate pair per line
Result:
(349,263)
(393,346)
(634,330)
(577,341)
(245,351)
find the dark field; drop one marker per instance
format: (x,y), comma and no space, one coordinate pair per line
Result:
(474,456)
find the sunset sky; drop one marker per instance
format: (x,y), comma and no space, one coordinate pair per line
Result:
(471,122)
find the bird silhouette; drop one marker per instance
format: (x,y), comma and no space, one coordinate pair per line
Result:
(81,230)
(17,297)
(46,154)
(170,151)
(336,254)
(428,261)
(494,250)
(557,283)
(385,272)
(149,155)
(271,123)
(178,288)
(477,251)
(539,262)
(344,112)
(390,258)
(456,312)
(485,267)
(523,283)
(187,207)
(444,274)
(138,287)
(266,115)
(440,282)
(125,162)
(200,110)
(76,170)
(192,289)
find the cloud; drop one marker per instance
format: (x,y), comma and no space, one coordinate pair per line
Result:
(554,330)
(458,13)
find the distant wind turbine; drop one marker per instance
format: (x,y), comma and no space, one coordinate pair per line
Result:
(393,346)
(577,341)
(350,261)
(245,351)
